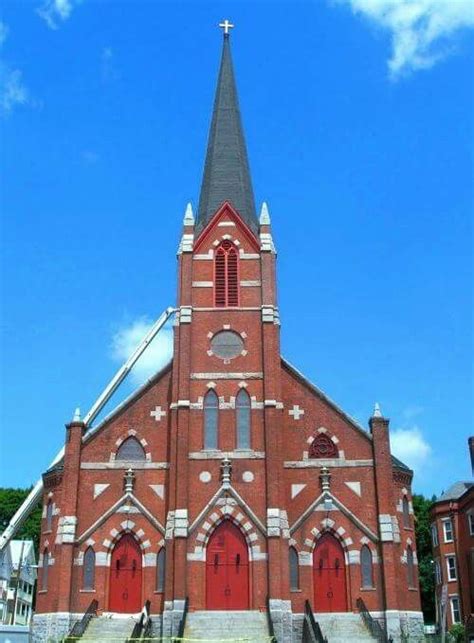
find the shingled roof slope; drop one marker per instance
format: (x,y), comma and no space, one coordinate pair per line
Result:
(226,170)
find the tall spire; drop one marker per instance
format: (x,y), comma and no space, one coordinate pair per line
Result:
(226,170)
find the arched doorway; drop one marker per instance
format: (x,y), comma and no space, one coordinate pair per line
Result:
(126,576)
(227,569)
(329,574)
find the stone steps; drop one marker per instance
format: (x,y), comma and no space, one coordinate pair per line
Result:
(111,629)
(222,626)
(344,627)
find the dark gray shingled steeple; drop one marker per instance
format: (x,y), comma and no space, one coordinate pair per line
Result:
(226,170)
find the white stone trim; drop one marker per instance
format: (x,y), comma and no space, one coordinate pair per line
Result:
(125,464)
(317,463)
(227,376)
(215,454)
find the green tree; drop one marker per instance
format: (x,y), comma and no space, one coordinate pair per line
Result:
(421,507)
(10,501)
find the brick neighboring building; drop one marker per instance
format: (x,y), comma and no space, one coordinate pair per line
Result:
(228,477)
(452,534)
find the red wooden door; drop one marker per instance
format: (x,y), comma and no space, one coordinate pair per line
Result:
(227,569)
(329,573)
(126,576)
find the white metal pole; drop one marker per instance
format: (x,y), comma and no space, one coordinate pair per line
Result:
(35,494)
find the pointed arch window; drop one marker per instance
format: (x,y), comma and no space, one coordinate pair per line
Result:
(406,512)
(211,420)
(294,569)
(366,564)
(88,571)
(131,451)
(242,405)
(410,567)
(160,570)
(49,516)
(44,576)
(226,275)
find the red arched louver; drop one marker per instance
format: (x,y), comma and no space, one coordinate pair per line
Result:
(226,275)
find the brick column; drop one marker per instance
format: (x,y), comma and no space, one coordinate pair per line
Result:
(277,522)
(389,550)
(66,532)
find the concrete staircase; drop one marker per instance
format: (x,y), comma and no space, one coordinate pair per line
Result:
(222,626)
(343,627)
(109,628)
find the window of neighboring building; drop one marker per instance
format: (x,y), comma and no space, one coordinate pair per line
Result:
(226,275)
(470,522)
(211,418)
(366,567)
(88,572)
(434,535)
(448,530)
(410,567)
(294,569)
(49,516)
(438,572)
(131,451)
(455,609)
(406,512)
(160,570)
(44,577)
(451,567)
(242,405)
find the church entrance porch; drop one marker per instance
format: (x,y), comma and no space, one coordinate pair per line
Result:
(227,569)
(329,576)
(126,577)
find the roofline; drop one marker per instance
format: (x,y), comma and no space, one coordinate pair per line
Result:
(252,236)
(441,500)
(325,398)
(123,405)
(292,369)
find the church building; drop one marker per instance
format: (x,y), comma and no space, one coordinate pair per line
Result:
(229,483)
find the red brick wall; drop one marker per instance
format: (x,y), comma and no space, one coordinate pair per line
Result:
(274,431)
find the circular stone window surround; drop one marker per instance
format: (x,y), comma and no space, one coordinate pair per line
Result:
(227,344)
(205,476)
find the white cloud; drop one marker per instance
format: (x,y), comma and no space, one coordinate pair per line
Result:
(13,91)
(422,31)
(54,12)
(156,355)
(107,65)
(410,446)
(3,32)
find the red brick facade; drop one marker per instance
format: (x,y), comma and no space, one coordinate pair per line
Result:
(275,491)
(452,533)
(324,509)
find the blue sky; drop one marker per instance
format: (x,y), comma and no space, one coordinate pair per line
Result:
(358,117)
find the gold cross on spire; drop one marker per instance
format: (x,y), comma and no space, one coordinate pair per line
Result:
(226,25)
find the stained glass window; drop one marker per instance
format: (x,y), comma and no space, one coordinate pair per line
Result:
(366,567)
(211,418)
(88,577)
(242,404)
(131,450)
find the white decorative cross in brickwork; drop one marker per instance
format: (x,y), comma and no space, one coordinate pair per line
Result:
(296,412)
(157,413)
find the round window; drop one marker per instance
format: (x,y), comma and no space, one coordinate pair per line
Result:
(227,344)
